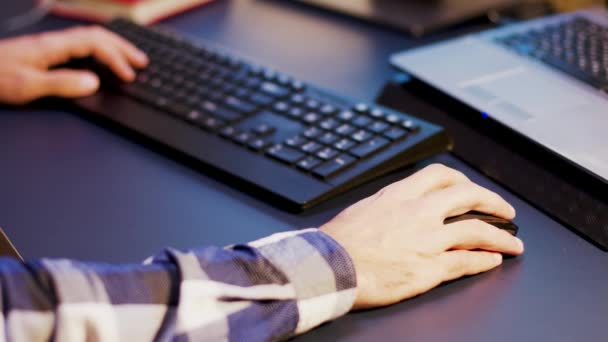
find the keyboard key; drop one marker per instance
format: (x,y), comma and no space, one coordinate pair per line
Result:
(346,115)
(209,123)
(226,114)
(243,137)
(261,100)
(161,102)
(263,129)
(234,64)
(255,70)
(156,83)
(285,154)
(395,133)
(327,138)
(327,153)
(283,80)
(297,85)
(252,82)
(361,108)
(308,163)
(295,113)
(239,79)
(258,144)
(269,75)
(378,127)
(298,99)
(327,110)
(344,145)
(228,132)
(240,105)
(178,109)
(361,121)
(311,147)
(192,100)
(410,125)
(311,118)
(312,132)
(242,93)
(209,107)
(345,129)
(216,82)
(228,88)
(393,118)
(274,89)
(376,113)
(312,104)
(296,141)
(194,115)
(370,147)
(329,124)
(281,107)
(361,136)
(334,166)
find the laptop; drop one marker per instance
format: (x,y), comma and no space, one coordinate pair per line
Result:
(546,79)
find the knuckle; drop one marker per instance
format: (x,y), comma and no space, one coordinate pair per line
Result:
(95,32)
(96,29)
(441,171)
(438,169)
(77,30)
(458,175)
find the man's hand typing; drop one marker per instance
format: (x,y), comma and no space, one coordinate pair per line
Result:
(26,74)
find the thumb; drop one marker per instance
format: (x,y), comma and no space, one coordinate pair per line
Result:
(67,83)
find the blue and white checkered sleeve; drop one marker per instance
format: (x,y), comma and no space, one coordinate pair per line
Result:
(270,289)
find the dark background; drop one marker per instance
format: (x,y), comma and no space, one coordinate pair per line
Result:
(70,188)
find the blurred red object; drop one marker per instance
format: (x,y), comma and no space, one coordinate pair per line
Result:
(140,11)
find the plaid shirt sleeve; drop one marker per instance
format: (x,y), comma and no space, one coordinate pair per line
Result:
(267,290)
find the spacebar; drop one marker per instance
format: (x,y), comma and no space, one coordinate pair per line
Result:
(576,73)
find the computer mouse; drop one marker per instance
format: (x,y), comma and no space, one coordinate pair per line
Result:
(497,222)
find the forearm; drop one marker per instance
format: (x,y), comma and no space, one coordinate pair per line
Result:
(270,289)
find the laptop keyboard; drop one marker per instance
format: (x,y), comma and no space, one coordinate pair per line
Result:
(578,47)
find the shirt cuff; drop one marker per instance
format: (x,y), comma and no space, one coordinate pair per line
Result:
(320,271)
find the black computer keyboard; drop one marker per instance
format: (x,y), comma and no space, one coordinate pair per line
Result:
(578,47)
(293,143)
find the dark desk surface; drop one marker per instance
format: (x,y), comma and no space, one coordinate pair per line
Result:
(69,188)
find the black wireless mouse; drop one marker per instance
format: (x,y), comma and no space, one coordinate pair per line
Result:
(493,220)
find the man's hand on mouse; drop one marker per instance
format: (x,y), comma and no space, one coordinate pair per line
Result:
(25,63)
(400,245)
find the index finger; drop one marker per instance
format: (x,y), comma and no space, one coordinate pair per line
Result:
(462,198)
(135,56)
(474,234)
